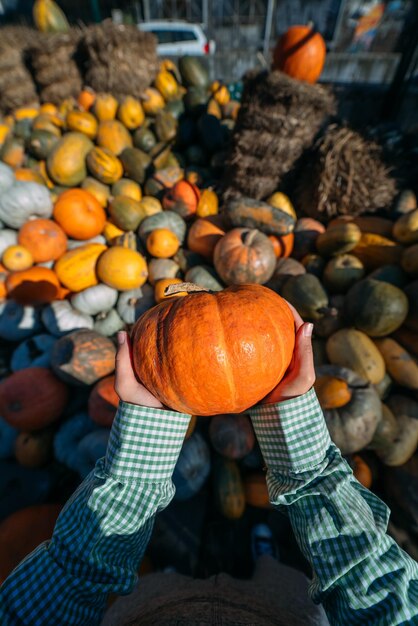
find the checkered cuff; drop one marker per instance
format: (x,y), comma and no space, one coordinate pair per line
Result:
(145,443)
(293,435)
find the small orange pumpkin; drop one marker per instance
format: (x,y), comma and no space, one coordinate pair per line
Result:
(162,243)
(332,392)
(79,214)
(161,285)
(282,244)
(362,471)
(183,198)
(44,239)
(300,53)
(37,285)
(203,236)
(86,99)
(16,258)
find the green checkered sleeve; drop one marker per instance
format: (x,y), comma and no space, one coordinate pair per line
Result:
(359,573)
(103,530)
(145,443)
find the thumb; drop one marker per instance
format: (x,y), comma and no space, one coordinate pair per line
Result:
(125,380)
(304,362)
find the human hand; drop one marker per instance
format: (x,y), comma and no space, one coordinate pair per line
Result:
(128,388)
(300,375)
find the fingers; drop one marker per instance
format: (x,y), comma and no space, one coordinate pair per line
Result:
(298,320)
(125,381)
(303,367)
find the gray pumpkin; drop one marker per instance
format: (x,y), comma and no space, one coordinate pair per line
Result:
(109,323)
(7,177)
(93,300)
(24,201)
(133,303)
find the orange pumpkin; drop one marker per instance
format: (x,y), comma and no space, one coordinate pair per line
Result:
(103,401)
(162,243)
(162,284)
(32,398)
(37,285)
(208,203)
(122,268)
(332,392)
(244,256)
(282,244)
(362,471)
(114,136)
(16,258)
(22,532)
(131,113)
(86,99)
(244,336)
(203,236)
(76,269)
(3,276)
(44,239)
(82,122)
(183,198)
(105,107)
(79,214)
(300,53)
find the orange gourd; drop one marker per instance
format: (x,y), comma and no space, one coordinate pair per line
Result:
(362,471)
(86,99)
(162,243)
(105,107)
(44,239)
(161,286)
(37,285)
(16,258)
(114,136)
(24,173)
(208,203)
(300,53)
(79,214)
(122,268)
(244,336)
(152,101)
(183,198)
(82,122)
(76,269)
(203,236)
(332,392)
(282,244)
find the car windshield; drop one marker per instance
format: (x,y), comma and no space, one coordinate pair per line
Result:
(174,36)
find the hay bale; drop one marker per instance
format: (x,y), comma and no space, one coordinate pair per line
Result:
(278,119)
(16,84)
(344,175)
(120,59)
(59,91)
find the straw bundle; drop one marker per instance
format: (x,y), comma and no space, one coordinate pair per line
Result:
(119,59)
(16,85)
(344,175)
(278,119)
(55,66)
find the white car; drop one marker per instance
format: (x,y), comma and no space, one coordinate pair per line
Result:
(179,38)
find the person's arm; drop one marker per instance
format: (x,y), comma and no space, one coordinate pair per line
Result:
(360,574)
(102,532)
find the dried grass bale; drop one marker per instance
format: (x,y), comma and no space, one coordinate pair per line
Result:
(55,66)
(120,59)
(278,119)
(16,84)
(344,175)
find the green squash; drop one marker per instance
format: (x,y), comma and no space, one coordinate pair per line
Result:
(375,307)
(248,213)
(165,126)
(126,212)
(41,143)
(144,139)
(229,489)
(307,295)
(392,274)
(204,276)
(135,164)
(193,72)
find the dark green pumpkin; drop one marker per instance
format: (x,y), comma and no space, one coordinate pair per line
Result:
(307,295)
(285,268)
(342,272)
(126,212)
(228,488)
(186,132)
(193,72)
(195,101)
(164,219)
(204,276)
(392,274)
(175,107)
(144,139)
(23,129)
(135,164)
(165,126)
(314,264)
(375,307)
(41,142)
(248,213)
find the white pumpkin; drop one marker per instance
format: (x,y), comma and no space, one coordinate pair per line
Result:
(18,322)
(7,238)
(97,299)
(24,201)
(60,318)
(7,177)
(108,324)
(72,243)
(133,303)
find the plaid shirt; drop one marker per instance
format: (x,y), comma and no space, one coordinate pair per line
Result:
(360,575)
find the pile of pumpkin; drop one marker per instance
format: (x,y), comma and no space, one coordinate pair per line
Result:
(104,204)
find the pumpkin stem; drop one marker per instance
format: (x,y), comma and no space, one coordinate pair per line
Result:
(249,236)
(189,287)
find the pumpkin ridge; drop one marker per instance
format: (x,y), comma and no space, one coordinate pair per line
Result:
(232,383)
